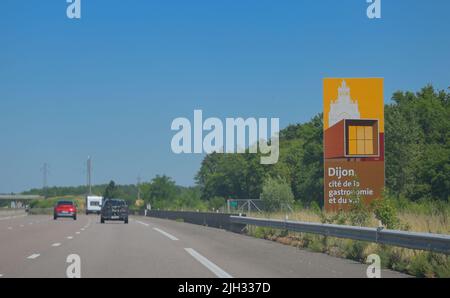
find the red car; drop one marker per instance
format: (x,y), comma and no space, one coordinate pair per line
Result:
(65,209)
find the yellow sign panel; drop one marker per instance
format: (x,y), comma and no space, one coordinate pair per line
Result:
(367,93)
(353,141)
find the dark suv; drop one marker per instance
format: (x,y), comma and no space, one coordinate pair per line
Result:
(114,209)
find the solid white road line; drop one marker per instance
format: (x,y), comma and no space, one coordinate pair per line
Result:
(208,264)
(142,223)
(69,237)
(33,256)
(56,244)
(171,237)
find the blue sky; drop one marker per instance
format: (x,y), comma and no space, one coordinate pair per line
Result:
(110,84)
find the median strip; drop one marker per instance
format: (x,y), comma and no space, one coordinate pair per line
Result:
(208,264)
(171,237)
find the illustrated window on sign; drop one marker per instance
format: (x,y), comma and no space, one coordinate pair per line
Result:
(362,137)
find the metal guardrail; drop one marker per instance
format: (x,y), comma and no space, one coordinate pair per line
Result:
(210,219)
(423,241)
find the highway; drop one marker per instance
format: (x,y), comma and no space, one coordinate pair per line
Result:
(37,246)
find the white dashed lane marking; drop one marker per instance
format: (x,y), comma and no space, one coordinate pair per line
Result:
(56,244)
(171,237)
(208,264)
(33,256)
(69,237)
(142,223)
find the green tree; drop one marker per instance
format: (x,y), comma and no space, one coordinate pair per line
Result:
(161,192)
(216,203)
(417,131)
(276,194)
(223,175)
(110,191)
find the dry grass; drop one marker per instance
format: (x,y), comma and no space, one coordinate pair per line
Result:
(411,221)
(426,223)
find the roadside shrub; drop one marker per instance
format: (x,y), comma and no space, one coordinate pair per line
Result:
(386,212)
(339,218)
(315,208)
(359,214)
(33,203)
(50,202)
(262,232)
(355,250)
(429,264)
(317,244)
(441,265)
(392,258)
(420,266)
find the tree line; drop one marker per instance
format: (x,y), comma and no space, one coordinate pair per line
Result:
(417,156)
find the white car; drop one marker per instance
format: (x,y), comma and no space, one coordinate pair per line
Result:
(94,204)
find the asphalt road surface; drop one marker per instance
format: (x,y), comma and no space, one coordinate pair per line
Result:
(38,246)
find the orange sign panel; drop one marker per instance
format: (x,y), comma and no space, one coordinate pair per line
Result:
(353,141)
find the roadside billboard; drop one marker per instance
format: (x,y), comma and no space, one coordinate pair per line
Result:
(353,141)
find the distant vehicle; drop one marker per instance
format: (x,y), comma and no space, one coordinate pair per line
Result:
(93,204)
(65,209)
(114,209)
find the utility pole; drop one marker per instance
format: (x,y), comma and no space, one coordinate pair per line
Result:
(88,173)
(139,187)
(44,170)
